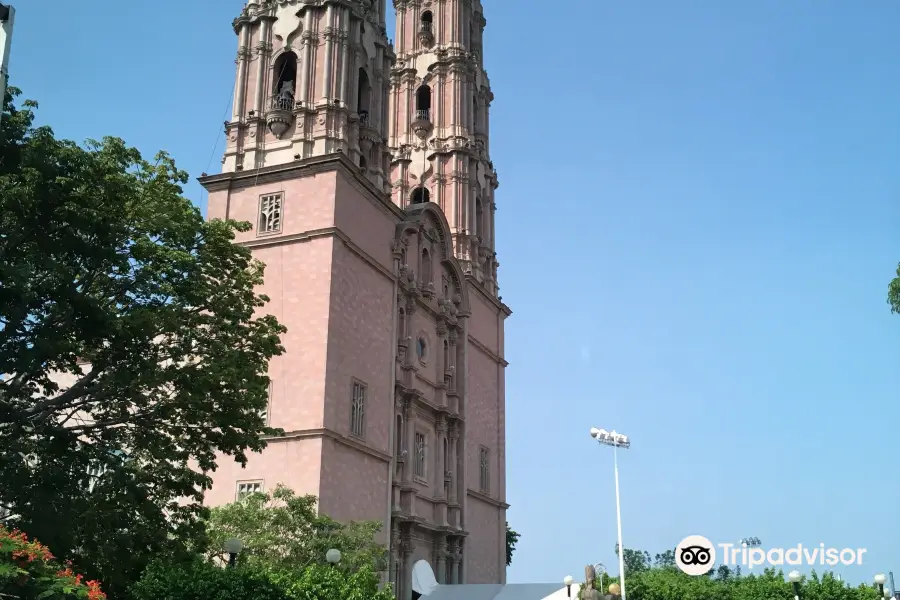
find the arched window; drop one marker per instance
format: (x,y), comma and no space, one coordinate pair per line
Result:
(423,103)
(446,355)
(364,94)
(420,196)
(362,162)
(446,464)
(426,266)
(426,22)
(284,88)
(401,327)
(479,218)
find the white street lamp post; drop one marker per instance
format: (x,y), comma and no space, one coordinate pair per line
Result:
(600,569)
(7,19)
(616,440)
(333,556)
(233,547)
(567,580)
(879,582)
(794,577)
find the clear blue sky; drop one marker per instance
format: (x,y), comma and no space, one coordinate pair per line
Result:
(698,219)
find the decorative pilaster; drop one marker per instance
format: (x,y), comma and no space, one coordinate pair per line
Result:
(440,560)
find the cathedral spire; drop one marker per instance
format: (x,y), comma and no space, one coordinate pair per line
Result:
(312,79)
(439,124)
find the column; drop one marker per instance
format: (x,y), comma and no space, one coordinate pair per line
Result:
(329,53)
(407,571)
(437,104)
(241,82)
(347,35)
(441,561)
(307,39)
(262,64)
(454,562)
(409,471)
(454,478)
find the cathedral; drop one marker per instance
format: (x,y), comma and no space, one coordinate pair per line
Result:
(364,168)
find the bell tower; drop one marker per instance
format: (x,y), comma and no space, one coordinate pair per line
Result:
(439,123)
(312,79)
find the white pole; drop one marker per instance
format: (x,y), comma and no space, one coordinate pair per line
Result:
(619,525)
(6,30)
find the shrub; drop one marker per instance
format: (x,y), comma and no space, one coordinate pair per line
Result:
(29,572)
(204,581)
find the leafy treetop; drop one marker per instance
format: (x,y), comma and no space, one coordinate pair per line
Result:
(660,579)
(281,529)
(102,258)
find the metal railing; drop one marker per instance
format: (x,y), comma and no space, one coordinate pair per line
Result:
(363,118)
(426,27)
(281,102)
(423,114)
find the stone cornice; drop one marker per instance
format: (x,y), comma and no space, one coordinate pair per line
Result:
(488,351)
(306,236)
(303,168)
(324,432)
(487,499)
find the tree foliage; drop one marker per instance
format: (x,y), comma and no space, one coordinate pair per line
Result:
(103,259)
(660,579)
(203,580)
(327,582)
(894,293)
(284,530)
(28,571)
(512,538)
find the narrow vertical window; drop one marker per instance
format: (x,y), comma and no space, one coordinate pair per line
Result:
(358,410)
(420,455)
(270,213)
(423,103)
(479,219)
(264,413)
(427,276)
(484,457)
(94,473)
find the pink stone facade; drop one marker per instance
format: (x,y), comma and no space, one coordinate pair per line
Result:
(366,177)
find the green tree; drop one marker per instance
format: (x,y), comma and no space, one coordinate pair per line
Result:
(661,581)
(28,571)
(326,582)
(666,560)
(283,530)
(103,259)
(201,580)
(635,561)
(512,538)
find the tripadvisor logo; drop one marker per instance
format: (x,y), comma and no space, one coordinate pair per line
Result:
(696,555)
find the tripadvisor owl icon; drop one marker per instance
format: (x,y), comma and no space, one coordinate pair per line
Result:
(695,555)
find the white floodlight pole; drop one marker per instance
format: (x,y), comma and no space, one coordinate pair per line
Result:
(7,19)
(616,440)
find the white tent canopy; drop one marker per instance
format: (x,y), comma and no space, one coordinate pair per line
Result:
(424,583)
